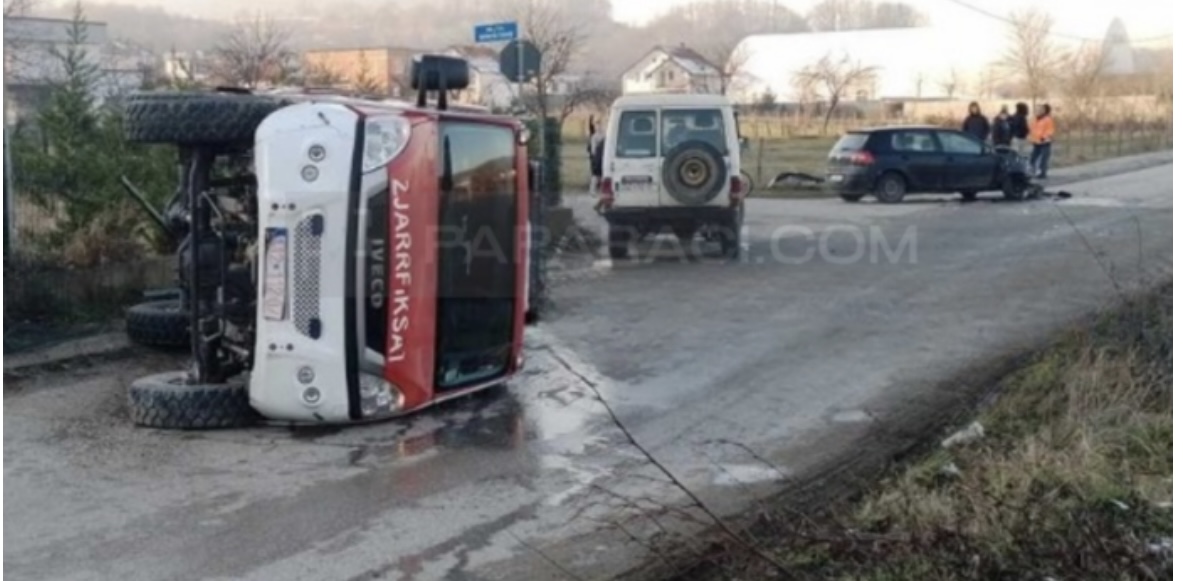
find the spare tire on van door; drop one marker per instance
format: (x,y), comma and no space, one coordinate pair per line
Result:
(695,173)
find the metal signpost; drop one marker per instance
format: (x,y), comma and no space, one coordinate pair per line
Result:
(502,32)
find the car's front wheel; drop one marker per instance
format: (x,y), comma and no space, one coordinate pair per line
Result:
(891,188)
(969,196)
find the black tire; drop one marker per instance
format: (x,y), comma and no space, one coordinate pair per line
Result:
(891,188)
(685,233)
(159,324)
(969,196)
(852,198)
(729,234)
(166,401)
(195,118)
(1012,190)
(695,173)
(618,240)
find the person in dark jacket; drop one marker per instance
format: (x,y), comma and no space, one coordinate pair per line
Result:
(1000,131)
(1019,129)
(975,123)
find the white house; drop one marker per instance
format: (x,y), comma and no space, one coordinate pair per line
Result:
(487,86)
(31,67)
(672,69)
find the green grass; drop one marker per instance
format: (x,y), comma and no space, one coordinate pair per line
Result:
(1070,480)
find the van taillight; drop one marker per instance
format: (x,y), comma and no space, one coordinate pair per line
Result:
(606,187)
(736,185)
(862,158)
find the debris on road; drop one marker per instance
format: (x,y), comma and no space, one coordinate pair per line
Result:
(970,433)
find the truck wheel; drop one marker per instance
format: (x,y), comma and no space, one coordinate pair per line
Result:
(195,118)
(618,239)
(729,233)
(160,324)
(891,188)
(167,401)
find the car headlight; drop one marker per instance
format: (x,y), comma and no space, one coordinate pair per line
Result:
(379,397)
(385,138)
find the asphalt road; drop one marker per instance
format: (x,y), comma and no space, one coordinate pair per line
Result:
(838,320)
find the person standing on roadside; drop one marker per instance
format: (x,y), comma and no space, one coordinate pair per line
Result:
(1019,129)
(1000,132)
(595,143)
(976,124)
(1043,129)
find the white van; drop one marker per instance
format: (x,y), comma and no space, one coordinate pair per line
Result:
(672,164)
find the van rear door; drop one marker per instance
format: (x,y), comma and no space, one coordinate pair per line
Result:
(635,167)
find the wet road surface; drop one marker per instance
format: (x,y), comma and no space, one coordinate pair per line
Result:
(735,375)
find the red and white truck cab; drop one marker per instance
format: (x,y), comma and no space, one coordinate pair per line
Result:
(394,265)
(391,266)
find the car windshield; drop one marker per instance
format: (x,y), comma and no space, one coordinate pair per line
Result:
(681,125)
(848,143)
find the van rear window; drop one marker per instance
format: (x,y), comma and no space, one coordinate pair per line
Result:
(636,134)
(849,142)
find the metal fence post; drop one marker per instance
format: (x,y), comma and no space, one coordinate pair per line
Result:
(9,195)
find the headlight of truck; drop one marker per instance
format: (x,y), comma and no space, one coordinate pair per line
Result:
(379,397)
(385,138)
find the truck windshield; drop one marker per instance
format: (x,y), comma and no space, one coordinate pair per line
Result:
(477,250)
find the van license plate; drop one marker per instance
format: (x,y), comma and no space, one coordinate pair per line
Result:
(836,177)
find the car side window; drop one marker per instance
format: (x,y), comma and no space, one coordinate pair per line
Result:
(959,144)
(913,142)
(636,134)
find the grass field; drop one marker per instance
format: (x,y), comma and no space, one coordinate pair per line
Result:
(768,156)
(1068,477)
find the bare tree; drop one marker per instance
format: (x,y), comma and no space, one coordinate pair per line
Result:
(18,7)
(728,58)
(951,82)
(366,83)
(320,75)
(558,39)
(1082,76)
(898,15)
(837,77)
(832,15)
(1032,55)
(254,53)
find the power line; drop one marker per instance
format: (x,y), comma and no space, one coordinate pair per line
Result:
(1007,20)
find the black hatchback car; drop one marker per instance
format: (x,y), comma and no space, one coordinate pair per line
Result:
(892,162)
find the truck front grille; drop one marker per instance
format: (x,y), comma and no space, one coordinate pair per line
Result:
(306,276)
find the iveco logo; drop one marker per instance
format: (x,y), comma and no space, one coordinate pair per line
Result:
(377,273)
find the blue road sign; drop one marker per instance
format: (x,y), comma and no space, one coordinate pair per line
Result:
(496,32)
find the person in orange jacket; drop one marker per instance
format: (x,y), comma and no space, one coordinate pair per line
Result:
(1043,129)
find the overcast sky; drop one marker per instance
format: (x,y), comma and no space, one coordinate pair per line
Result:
(1143,18)
(1088,18)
